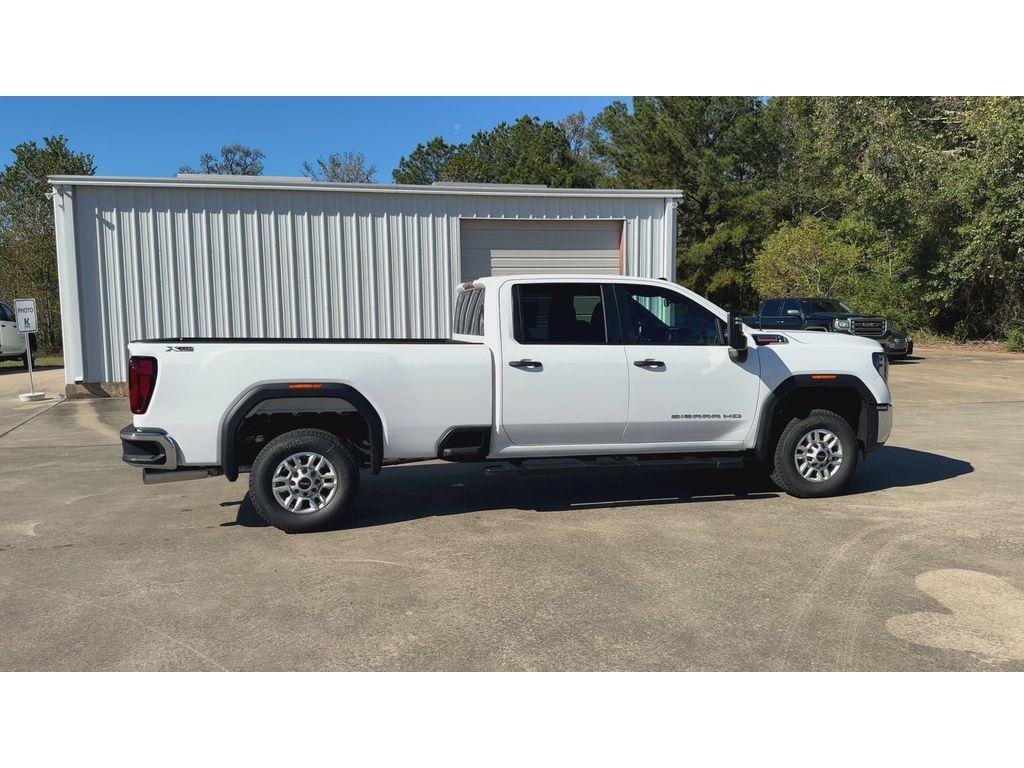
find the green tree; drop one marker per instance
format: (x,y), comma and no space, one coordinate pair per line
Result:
(528,151)
(715,150)
(582,137)
(872,169)
(235,160)
(28,255)
(348,167)
(807,259)
(425,164)
(977,280)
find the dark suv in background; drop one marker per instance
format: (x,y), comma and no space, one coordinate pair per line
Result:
(824,314)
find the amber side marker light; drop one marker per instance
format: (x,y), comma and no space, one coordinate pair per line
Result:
(820,376)
(304,386)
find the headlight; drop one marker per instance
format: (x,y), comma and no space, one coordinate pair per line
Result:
(881,363)
(841,324)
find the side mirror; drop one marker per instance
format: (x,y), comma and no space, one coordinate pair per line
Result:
(737,339)
(793,312)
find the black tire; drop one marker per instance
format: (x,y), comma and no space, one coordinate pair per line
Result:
(784,465)
(300,441)
(24,360)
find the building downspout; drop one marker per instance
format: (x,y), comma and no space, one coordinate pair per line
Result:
(67,277)
(670,238)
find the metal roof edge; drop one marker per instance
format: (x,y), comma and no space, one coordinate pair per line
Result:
(281,184)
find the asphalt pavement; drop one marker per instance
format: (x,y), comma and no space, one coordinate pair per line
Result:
(918,567)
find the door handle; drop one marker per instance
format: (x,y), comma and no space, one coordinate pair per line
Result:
(649,363)
(526,364)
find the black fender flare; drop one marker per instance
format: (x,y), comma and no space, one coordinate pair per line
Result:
(254,396)
(867,427)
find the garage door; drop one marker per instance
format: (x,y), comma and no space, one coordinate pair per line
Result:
(539,247)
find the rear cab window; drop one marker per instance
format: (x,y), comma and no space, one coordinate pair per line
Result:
(469,313)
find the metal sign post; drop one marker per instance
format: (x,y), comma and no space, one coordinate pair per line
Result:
(25,316)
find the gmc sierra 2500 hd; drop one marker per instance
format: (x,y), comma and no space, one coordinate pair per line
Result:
(825,314)
(540,371)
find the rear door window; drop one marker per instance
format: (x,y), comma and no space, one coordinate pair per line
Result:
(559,313)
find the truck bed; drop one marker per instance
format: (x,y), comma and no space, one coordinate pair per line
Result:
(419,387)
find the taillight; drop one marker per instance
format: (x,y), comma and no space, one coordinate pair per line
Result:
(141,382)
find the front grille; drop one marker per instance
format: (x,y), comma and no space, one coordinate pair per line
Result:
(872,327)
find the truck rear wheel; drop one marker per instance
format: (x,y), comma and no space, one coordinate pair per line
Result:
(815,456)
(303,480)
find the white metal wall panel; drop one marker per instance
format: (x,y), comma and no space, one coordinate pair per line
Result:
(509,247)
(150,260)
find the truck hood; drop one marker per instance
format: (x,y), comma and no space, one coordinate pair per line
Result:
(846,315)
(832,340)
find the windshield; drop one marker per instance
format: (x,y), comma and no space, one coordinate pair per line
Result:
(825,305)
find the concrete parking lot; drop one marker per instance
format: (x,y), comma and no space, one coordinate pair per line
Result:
(918,567)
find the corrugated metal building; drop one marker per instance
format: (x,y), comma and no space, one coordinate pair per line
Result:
(224,256)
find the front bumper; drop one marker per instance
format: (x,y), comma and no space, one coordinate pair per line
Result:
(148,447)
(897,346)
(885,415)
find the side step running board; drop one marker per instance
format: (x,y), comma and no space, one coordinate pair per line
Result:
(556,465)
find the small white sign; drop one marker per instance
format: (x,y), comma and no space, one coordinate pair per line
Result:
(25,313)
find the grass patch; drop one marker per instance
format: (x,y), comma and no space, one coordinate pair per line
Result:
(46,361)
(927,338)
(1015,339)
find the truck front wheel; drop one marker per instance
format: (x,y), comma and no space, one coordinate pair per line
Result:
(815,455)
(303,480)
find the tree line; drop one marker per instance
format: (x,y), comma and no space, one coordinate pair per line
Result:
(911,207)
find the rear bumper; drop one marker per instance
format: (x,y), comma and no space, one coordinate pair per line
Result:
(157,453)
(148,447)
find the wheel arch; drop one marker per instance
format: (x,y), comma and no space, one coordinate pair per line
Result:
(845,394)
(252,398)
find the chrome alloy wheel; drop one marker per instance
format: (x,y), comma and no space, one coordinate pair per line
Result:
(818,455)
(304,482)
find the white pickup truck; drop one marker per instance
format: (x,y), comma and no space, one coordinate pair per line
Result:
(540,372)
(12,342)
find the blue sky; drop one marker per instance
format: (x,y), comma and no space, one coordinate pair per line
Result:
(154,136)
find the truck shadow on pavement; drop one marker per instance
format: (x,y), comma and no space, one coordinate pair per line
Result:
(416,491)
(896,467)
